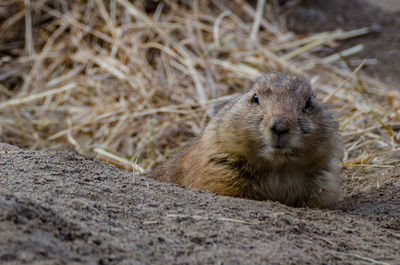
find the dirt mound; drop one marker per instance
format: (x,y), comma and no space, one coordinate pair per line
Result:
(59,208)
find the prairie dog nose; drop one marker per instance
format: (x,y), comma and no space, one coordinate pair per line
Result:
(280,126)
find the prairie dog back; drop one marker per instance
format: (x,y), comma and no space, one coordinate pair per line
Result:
(274,142)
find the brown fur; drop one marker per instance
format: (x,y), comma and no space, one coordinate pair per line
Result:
(238,154)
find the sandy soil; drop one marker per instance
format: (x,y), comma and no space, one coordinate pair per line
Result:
(59,208)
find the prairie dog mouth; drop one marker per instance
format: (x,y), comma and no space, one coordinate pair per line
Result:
(278,144)
(274,151)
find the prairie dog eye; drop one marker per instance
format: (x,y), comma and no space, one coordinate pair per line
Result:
(254,99)
(308,105)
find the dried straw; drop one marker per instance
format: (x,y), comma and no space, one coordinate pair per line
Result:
(131,81)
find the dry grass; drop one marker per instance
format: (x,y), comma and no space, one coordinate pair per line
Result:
(130,82)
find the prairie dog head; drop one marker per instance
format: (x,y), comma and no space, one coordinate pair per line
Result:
(278,120)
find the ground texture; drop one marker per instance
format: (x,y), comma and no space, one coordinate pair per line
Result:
(59,208)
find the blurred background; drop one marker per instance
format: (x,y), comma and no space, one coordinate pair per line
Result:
(129,82)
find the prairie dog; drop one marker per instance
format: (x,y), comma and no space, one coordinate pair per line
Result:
(274,142)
